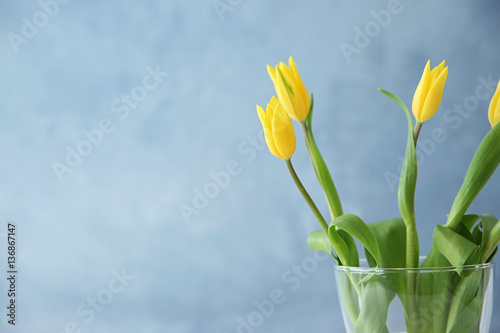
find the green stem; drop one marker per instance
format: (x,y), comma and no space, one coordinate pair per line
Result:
(307,197)
(411,231)
(411,262)
(411,246)
(331,194)
(416,131)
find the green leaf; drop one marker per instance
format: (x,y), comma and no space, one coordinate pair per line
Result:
(491,244)
(484,163)
(469,220)
(465,308)
(463,231)
(375,301)
(469,320)
(341,248)
(394,98)
(348,295)
(488,222)
(391,239)
(431,284)
(457,249)
(490,258)
(482,233)
(320,168)
(318,241)
(358,229)
(408,178)
(407,184)
(349,256)
(353,250)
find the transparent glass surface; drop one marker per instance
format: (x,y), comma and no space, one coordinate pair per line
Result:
(421,300)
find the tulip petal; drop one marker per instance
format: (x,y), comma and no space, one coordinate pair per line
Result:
(434,96)
(301,88)
(494,108)
(299,110)
(293,67)
(266,121)
(272,105)
(429,91)
(285,91)
(436,71)
(272,74)
(421,92)
(262,115)
(283,133)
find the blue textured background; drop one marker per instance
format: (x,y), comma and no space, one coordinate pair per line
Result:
(118,210)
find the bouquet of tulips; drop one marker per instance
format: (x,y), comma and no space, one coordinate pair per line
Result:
(463,240)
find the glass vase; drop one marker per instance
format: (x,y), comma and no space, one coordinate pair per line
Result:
(419,300)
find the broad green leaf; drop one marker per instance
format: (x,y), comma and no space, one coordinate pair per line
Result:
(490,258)
(358,229)
(488,222)
(318,241)
(353,249)
(348,295)
(407,183)
(465,228)
(466,251)
(457,249)
(469,320)
(340,247)
(470,220)
(375,301)
(484,163)
(430,284)
(391,239)
(491,244)
(464,232)
(482,233)
(464,303)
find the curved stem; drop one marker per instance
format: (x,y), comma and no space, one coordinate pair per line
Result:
(416,131)
(411,246)
(333,200)
(412,249)
(307,197)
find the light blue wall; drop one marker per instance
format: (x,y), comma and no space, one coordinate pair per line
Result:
(118,210)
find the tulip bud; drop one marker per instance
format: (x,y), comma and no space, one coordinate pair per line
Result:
(290,89)
(429,92)
(278,129)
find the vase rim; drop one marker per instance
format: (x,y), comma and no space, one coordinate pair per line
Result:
(379,270)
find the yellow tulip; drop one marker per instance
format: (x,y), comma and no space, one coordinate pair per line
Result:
(494,110)
(278,129)
(290,89)
(429,92)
